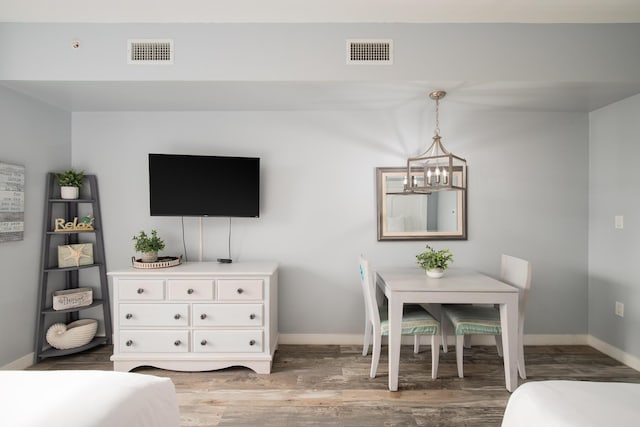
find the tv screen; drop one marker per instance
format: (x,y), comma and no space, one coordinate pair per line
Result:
(187,185)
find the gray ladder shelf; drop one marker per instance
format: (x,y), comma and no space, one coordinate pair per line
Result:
(53,278)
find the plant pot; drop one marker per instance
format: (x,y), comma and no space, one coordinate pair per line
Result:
(69,192)
(435,273)
(149,256)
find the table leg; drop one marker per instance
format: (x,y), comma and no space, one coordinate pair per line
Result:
(395,337)
(509,324)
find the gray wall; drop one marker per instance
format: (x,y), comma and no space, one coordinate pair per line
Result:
(613,253)
(38,137)
(318,199)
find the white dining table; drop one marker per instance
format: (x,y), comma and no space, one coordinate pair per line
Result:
(411,285)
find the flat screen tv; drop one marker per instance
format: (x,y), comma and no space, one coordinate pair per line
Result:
(188,185)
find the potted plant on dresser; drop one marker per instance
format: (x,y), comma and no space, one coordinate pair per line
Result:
(148,245)
(70,182)
(434,262)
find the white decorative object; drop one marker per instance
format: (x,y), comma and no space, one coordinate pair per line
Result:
(75,255)
(435,273)
(70,298)
(75,334)
(69,192)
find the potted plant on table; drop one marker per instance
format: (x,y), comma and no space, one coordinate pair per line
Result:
(70,182)
(148,245)
(434,262)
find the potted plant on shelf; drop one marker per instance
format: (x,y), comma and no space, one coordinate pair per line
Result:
(70,182)
(148,245)
(434,262)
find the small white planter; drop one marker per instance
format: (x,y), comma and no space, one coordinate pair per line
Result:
(149,256)
(436,273)
(69,192)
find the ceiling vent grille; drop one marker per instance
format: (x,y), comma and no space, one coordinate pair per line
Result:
(150,52)
(370,52)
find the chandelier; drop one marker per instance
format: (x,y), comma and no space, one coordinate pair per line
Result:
(436,169)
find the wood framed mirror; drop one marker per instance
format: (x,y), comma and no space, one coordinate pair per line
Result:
(439,215)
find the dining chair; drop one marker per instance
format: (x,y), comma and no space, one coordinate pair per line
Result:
(485,320)
(416,321)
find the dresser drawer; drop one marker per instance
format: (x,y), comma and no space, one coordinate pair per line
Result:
(134,315)
(197,290)
(141,290)
(154,341)
(227,315)
(240,289)
(227,341)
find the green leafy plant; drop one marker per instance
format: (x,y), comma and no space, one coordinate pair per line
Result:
(146,243)
(432,259)
(70,178)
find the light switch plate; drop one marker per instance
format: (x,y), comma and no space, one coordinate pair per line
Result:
(619,221)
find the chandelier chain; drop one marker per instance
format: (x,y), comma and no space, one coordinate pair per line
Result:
(437,130)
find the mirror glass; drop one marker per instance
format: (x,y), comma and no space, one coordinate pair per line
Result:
(440,215)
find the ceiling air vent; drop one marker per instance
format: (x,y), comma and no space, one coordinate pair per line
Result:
(370,52)
(150,52)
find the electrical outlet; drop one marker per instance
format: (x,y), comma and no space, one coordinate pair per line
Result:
(619,309)
(619,222)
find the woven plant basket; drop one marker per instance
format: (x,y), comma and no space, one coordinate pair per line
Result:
(75,334)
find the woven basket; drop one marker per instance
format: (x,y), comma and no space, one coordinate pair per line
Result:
(75,334)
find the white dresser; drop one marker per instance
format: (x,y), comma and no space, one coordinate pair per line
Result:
(197,316)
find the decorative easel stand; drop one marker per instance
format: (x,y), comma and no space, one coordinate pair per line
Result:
(85,224)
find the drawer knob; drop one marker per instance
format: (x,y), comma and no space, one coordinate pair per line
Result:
(189,291)
(177,316)
(252,342)
(203,316)
(177,343)
(240,290)
(128,315)
(203,342)
(252,316)
(129,343)
(140,290)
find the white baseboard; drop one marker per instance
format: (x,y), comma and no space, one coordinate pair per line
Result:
(356,339)
(615,353)
(17,365)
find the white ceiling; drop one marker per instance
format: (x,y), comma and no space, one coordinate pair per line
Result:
(554,11)
(194,95)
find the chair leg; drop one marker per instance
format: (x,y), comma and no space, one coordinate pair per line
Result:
(521,369)
(498,339)
(368,330)
(377,343)
(467,341)
(416,344)
(435,355)
(444,326)
(459,350)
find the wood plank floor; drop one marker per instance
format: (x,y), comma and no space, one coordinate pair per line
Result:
(330,386)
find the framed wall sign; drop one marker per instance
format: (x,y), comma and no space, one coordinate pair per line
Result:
(11,202)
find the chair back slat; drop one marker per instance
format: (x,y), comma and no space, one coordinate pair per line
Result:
(369,292)
(517,272)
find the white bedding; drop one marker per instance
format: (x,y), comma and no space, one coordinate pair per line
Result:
(573,403)
(86,399)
